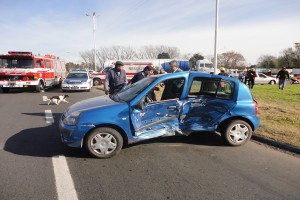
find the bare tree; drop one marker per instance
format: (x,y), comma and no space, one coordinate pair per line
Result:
(88,57)
(147,52)
(231,60)
(186,56)
(152,52)
(128,53)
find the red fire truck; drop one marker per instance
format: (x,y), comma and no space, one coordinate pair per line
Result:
(25,70)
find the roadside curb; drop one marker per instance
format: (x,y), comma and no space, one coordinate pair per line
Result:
(274,143)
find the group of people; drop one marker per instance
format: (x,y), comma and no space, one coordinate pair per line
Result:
(248,77)
(116,77)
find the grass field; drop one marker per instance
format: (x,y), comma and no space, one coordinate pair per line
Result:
(279,112)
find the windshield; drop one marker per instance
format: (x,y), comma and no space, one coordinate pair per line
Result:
(77,75)
(17,63)
(133,90)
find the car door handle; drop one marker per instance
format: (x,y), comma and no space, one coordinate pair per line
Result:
(172,107)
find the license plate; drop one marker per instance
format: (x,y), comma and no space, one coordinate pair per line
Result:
(11,83)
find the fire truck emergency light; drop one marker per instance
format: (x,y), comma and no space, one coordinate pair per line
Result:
(20,53)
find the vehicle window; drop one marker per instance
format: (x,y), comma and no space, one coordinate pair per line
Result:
(18,63)
(225,89)
(172,88)
(217,88)
(128,93)
(48,65)
(77,75)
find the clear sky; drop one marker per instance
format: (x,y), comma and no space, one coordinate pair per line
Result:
(61,27)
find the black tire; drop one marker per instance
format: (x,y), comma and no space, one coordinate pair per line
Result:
(5,90)
(237,133)
(272,83)
(39,87)
(97,81)
(104,142)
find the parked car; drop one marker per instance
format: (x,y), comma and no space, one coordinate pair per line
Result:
(77,80)
(264,79)
(184,103)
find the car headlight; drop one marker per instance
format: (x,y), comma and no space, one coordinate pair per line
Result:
(72,119)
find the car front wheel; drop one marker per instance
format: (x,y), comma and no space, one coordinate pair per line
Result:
(104,142)
(237,133)
(272,82)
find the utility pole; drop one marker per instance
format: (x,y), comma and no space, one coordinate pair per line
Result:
(216,37)
(94,37)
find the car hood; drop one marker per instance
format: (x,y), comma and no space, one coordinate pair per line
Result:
(76,80)
(92,103)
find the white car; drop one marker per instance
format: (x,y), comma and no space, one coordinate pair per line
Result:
(264,79)
(77,80)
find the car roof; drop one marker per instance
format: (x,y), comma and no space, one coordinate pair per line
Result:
(192,74)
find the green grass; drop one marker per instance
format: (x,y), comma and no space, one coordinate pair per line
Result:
(279,112)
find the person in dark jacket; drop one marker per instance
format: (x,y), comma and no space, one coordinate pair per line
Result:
(283,74)
(147,71)
(251,75)
(115,79)
(174,67)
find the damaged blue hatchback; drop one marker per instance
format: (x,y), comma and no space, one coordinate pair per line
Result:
(162,105)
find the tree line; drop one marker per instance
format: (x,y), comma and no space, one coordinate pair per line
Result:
(289,57)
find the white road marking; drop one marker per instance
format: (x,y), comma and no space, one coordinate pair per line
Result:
(49,117)
(63,179)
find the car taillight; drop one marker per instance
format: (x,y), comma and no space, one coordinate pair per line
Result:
(256,108)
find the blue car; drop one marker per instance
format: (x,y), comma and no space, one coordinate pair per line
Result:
(162,105)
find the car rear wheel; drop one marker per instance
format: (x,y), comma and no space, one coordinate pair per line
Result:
(96,81)
(104,142)
(237,133)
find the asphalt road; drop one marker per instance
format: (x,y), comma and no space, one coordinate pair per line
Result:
(194,167)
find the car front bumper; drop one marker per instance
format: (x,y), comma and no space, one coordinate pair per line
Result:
(65,86)
(73,135)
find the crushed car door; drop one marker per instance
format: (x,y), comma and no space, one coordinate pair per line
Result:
(208,100)
(156,118)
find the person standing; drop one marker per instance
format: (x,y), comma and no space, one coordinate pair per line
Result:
(242,76)
(283,74)
(223,73)
(173,87)
(147,71)
(251,75)
(174,67)
(115,79)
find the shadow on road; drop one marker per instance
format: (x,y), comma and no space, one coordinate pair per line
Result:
(41,141)
(45,141)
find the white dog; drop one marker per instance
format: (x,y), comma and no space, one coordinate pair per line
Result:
(57,99)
